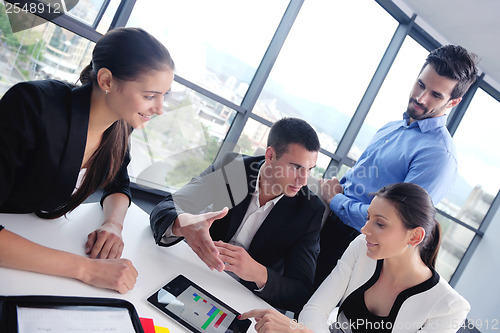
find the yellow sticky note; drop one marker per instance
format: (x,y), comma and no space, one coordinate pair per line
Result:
(159,329)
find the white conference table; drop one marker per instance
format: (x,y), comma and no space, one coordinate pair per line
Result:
(156,265)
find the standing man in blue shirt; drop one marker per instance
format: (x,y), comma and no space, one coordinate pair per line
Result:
(418,149)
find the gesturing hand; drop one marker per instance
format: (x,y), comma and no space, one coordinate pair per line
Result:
(105,242)
(237,260)
(195,229)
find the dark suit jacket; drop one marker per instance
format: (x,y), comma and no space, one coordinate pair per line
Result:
(43,133)
(287,242)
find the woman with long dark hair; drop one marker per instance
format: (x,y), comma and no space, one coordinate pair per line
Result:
(60,142)
(386,280)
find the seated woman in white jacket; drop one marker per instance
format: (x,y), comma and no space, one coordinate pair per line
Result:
(385,281)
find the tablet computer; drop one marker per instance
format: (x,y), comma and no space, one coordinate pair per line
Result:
(196,309)
(27,314)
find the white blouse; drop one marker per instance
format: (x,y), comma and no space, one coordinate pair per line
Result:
(439,309)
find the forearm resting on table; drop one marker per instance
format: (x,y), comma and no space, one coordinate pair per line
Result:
(19,253)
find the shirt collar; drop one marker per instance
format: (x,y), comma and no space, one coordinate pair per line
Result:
(257,190)
(428,124)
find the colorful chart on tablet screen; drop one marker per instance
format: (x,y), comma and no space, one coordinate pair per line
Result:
(200,311)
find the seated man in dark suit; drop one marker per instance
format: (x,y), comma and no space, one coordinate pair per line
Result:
(268,239)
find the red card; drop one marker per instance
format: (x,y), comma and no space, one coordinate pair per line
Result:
(147,325)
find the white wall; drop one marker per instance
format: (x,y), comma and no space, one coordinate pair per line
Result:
(480,281)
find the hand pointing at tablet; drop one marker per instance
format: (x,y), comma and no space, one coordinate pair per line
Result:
(270,320)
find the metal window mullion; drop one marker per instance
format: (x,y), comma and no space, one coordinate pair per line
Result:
(329,154)
(459,112)
(122,14)
(390,7)
(462,265)
(459,222)
(207,93)
(488,88)
(64,21)
(373,88)
(423,38)
(77,27)
(260,119)
(260,77)
(268,123)
(100,14)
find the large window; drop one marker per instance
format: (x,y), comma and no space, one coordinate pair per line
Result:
(44,51)
(322,71)
(477,183)
(454,242)
(216,44)
(179,144)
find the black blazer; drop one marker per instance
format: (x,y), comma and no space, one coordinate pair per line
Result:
(287,242)
(43,133)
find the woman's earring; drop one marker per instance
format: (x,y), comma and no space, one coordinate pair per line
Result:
(409,246)
(106,91)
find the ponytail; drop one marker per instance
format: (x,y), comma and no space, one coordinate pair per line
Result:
(102,167)
(415,208)
(430,249)
(87,74)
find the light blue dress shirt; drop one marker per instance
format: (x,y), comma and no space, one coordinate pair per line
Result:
(422,153)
